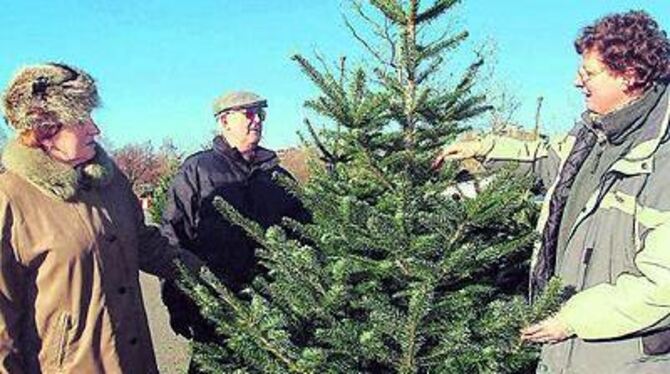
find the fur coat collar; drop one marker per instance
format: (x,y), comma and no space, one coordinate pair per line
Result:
(54,178)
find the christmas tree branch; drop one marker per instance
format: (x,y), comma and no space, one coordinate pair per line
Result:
(376,54)
(253,229)
(391,9)
(246,322)
(325,153)
(434,11)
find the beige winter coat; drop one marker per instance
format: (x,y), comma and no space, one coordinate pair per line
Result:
(72,245)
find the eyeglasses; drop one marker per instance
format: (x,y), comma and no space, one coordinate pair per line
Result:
(251,113)
(585,75)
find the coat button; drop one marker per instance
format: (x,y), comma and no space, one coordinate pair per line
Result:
(645,166)
(122,290)
(133,341)
(111,238)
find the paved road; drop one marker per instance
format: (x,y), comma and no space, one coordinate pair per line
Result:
(172,351)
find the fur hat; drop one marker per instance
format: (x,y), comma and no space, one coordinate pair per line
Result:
(48,94)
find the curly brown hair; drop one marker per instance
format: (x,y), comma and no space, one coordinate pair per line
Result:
(629,43)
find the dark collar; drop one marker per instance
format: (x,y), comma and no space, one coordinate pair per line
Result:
(264,158)
(617,125)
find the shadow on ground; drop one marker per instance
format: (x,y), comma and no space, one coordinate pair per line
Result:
(172,351)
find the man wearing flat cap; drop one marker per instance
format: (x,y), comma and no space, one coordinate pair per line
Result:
(240,171)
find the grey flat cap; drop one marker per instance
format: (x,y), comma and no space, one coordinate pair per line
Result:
(237,100)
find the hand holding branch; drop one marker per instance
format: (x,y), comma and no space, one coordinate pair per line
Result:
(551,330)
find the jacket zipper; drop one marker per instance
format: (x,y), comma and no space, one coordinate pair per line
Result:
(586,261)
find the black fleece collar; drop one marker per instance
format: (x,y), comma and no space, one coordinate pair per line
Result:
(616,126)
(264,159)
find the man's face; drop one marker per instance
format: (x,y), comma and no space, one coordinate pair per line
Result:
(603,89)
(243,128)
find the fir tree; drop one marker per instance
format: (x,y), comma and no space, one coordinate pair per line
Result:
(393,274)
(160,190)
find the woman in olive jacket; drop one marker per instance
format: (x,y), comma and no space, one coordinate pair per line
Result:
(605,220)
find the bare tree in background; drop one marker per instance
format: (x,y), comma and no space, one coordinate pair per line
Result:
(144,165)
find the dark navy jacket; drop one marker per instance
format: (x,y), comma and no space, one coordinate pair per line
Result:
(191,221)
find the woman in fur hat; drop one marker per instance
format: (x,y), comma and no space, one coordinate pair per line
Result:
(72,237)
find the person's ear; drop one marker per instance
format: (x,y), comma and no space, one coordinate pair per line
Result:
(630,77)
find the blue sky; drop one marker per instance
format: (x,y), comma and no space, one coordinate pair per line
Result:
(160,63)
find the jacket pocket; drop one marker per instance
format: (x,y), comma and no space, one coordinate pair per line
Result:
(59,341)
(657,343)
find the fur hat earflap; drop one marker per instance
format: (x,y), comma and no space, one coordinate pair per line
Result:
(49,94)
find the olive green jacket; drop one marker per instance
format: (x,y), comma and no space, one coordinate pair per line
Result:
(617,255)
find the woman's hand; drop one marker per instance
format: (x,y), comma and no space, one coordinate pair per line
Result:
(459,151)
(551,330)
